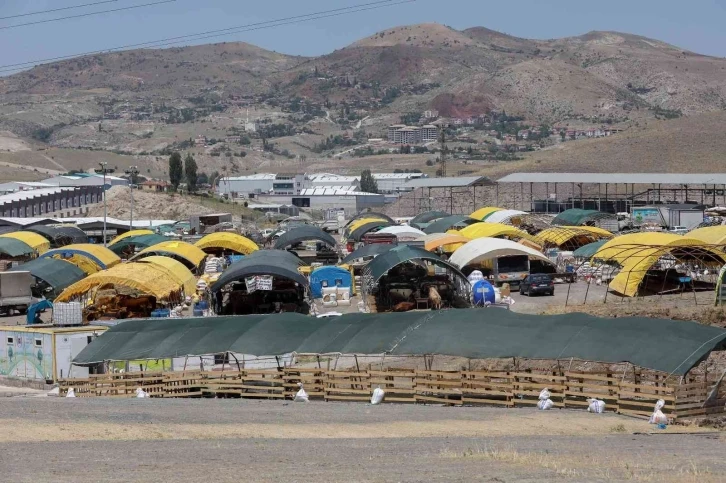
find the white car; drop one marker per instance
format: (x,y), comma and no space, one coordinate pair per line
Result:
(678,230)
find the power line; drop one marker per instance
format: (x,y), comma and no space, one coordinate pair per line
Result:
(4,27)
(39,12)
(220,32)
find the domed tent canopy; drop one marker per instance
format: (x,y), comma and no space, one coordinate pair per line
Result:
(176,270)
(637,253)
(372,250)
(443,224)
(506,216)
(145,278)
(380,265)
(483,213)
(403,232)
(492,230)
(329,276)
(362,230)
(13,248)
(278,263)
(577,217)
(227,241)
(304,233)
(363,221)
(185,252)
(448,242)
(712,235)
(570,237)
(137,242)
(56,274)
(37,242)
(482,249)
(88,257)
(370,214)
(427,217)
(589,250)
(128,234)
(60,235)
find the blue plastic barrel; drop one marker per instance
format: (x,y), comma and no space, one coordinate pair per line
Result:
(197,312)
(202,305)
(483,292)
(160,313)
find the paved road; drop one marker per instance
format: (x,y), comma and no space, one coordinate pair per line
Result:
(237,440)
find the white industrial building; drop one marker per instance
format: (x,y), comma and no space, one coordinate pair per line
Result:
(390,183)
(322,180)
(85,179)
(338,198)
(15,186)
(263,183)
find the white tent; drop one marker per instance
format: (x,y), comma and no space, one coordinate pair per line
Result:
(403,232)
(486,248)
(503,216)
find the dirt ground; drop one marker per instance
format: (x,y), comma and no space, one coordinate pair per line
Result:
(48,439)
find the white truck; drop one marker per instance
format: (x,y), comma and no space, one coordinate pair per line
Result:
(15,292)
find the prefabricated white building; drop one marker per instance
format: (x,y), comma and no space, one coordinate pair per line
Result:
(44,353)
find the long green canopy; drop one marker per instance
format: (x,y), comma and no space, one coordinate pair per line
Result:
(427,217)
(59,274)
(15,248)
(304,233)
(472,333)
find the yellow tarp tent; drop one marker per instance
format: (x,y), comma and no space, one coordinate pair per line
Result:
(492,230)
(176,270)
(571,237)
(37,242)
(146,278)
(636,253)
(130,233)
(713,235)
(358,223)
(448,242)
(227,241)
(88,257)
(482,213)
(187,251)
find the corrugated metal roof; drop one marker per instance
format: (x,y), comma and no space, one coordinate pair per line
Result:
(29,194)
(462,181)
(625,178)
(329,191)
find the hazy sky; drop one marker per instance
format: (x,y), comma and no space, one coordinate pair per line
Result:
(697,25)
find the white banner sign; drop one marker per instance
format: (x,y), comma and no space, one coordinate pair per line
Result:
(258,282)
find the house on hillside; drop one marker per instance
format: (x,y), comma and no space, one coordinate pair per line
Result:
(155,185)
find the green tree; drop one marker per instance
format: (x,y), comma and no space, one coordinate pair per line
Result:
(202,178)
(190,173)
(176,172)
(367,183)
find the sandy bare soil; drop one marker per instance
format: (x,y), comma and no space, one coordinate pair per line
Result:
(48,439)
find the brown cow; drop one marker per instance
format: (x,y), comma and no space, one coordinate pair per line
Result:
(434,298)
(404,306)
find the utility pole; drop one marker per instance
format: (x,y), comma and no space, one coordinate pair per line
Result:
(104,169)
(132,172)
(442,142)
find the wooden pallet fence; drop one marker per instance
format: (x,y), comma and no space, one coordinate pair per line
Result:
(526,387)
(581,385)
(494,388)
(399,385)
(441,387)
(347,386)
(183,384)
(313,381)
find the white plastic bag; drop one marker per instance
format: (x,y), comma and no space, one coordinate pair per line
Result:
(545,394)
(378,395)
(54,392)
(141,393)
(658,417)
(596,406)
(301,395)
(545,404)
(71,392)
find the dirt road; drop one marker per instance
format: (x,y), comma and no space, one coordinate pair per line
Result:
(48,439)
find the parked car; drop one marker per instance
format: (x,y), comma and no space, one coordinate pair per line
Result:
(678,230)
(537,283)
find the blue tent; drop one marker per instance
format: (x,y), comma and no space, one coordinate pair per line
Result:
(483,293)
(329,276)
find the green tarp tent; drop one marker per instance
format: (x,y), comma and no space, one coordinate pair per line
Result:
(278,263)
(371,214)
(14,248)
(426,218)
(372,250)
(362,230)
(577,217)
(139,242)
(59,236)
(442,225)
(587,251)
(303,233)
(378,267)
(59,274)
(668,346)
